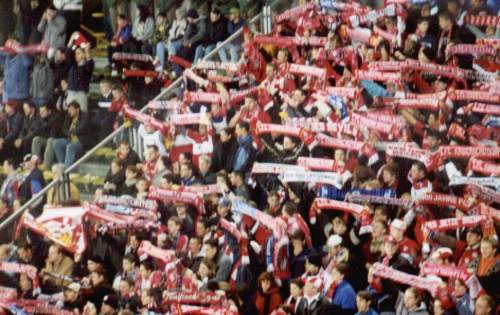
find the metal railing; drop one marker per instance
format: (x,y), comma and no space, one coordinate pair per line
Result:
(169,90)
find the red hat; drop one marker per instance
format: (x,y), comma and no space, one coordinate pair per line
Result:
(80,41)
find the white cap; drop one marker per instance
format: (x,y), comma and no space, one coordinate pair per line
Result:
(398,224)
(334,240)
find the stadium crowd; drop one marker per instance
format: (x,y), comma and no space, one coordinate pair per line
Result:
(366,132)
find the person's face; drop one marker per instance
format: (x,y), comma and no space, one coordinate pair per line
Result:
(64,85)
(339,155)
(250,103)
(459,289)
(173,228)
(415,173)
(24,254)
(79,55)
(482,307)
(265,285)
(24,282)
(487,250)
(378,229)
(117,94)
(104,88)
(410,300)
(387,177)
(181,210)
(288,143)
(423,26)
(310,290)
(152,154)
(396,233)
(202,129)
(335,250)
(339,227)
(58,56)
(295,290)
(272,200)
(214,17)
(209,251)
(390,248)
(203,271)
(27,109)
(127,265)
(239,131)
(134,242)
(9,110)
(282,57)
(204,166)
(178,16)
(472,238)
(222,211)
(200,229)
(298,96)
(160,19)
(130,174)
(124,288)
(336,276)
(194,246)
(124,149)
(362,304)
(51,14)
(44,112)
(270,71)
(185,171)
(453,7)
(144,272)
(443,23)
(311,269)
(142,185)
(72,112)
(91,266)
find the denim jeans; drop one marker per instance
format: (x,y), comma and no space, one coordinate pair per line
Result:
(173,46)
(233,51)
(160,52)
(202,51)
(66,151)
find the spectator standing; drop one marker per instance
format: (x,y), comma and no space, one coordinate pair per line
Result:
(71,10)
(42,82)
(56,194)
(80,72)
(50,129)
(76,136)
(216,33)
(54,29)
(30,13)
(7,19)
(267,298)
(233,25)
(16,83)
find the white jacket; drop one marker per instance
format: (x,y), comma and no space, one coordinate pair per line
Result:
(70,5)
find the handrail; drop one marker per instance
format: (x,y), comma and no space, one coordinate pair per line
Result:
(4,224)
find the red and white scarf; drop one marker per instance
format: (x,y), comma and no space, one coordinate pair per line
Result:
(482,20)
(177,196)
(469,49)
(146,119)
(132,57)
(146,249)
(360,212)
(483,167)
(29,270)
(147,204)
(443,200)
(382,271)
(295,12)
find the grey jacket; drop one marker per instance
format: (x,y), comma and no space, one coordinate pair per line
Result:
(54,32)
(42,81)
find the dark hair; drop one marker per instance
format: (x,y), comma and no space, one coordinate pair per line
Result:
(420,166)
(365,295)
(298,235)
(11,162)
(154,147)
(122,16)
(342,268)
(143,13)
(130,257)
(74,104)
(244,125)
(212,242)
(298,282)
(446,15)
(290,208)
(162,14)
(148,264)
(176,220)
